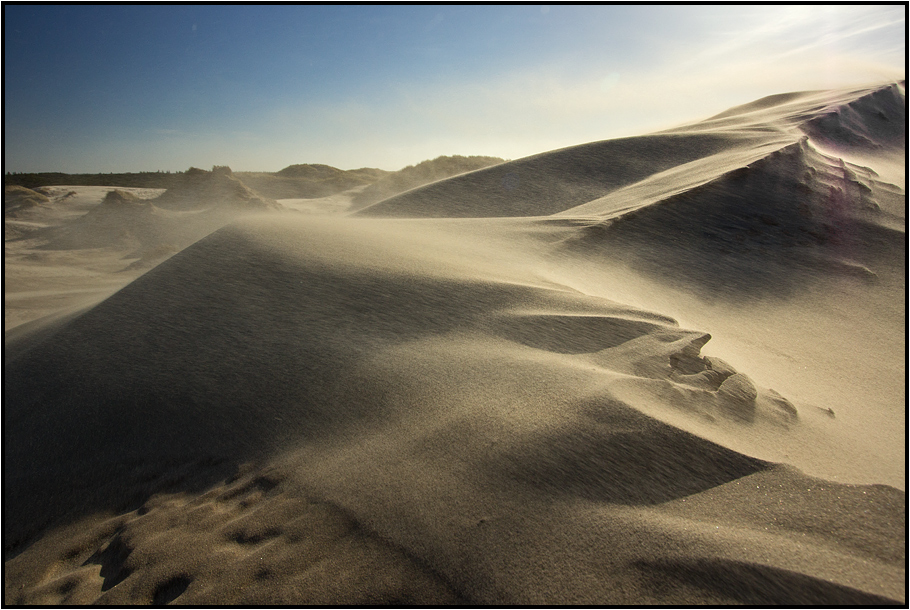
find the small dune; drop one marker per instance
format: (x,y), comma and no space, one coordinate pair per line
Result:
(309,181)
(200,189)
(414,176)
(18,200)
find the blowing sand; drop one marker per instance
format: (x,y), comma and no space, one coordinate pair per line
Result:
(666,369)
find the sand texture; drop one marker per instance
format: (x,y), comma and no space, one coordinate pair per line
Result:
(657,370)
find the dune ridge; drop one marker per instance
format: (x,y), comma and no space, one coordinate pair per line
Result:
(496,388)
(550,182)
(309,180)
(201,189)
(414,176)
(564,181)
(18,200)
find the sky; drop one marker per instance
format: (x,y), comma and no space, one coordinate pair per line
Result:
(145,88)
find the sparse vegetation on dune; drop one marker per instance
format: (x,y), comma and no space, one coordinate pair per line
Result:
(200,189)
(17,199)
(309,181)
(118,197)
(424,172)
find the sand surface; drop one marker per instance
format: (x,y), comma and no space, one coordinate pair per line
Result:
(666,369)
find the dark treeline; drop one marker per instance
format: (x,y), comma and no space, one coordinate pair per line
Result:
(158,180)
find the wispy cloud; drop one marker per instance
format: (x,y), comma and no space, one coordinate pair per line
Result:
(474,85)
(780,31)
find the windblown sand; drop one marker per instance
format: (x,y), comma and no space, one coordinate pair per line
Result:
(666,369)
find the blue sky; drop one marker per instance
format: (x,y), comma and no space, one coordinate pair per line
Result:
(133,88)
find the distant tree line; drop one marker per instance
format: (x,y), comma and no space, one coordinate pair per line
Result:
(157,180)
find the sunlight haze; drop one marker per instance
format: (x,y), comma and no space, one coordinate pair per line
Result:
(136,88)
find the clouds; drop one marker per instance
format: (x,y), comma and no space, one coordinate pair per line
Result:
(777,32)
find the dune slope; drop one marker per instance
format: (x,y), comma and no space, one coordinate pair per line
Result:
(554,181)
(510,408)
(69,248)
(414,176)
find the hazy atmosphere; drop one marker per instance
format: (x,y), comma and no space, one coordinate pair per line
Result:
(146,88)
(458,305)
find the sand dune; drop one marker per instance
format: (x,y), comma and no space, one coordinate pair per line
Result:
(18,200)
(554,181)
(75,245)
(218,188)
(560,180)
(414,176)
(309,181)
(555,380)
(794,206)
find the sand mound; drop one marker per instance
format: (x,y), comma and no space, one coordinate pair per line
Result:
(417,175)
(309,181)
(219,188)
(118,198)
(153,229)
(121,220)
(305,409)
(326,173)
(18,200)
(124,221)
